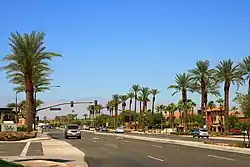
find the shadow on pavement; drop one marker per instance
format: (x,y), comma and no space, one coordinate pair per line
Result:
(44,159)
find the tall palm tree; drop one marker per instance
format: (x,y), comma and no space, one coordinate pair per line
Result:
(28,56)
(130,96)
(154,92)
(228,73)
(135,89)
(144,93)
(123,99)
(183,84)
(202,73)
(98,109)
(116,100)
(245,69)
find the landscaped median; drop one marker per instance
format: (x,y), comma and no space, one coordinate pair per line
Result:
(9,164)
(16,136)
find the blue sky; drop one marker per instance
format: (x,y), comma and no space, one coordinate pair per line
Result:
(109,45)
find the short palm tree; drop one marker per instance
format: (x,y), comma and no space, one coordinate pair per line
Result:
(191,104)
(130,96)
(245,69)
(85,116)
(183,84)
(228,73)
(144,93)
(154,92)
(201,74)
(123,99)
(171,108)
(135,89)
(211,104)
(28,55)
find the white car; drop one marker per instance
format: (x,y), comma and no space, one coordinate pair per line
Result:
(119,130)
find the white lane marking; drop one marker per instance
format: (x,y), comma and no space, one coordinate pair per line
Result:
(126,141)
(95,138)
(157,159)
(215,156)
(112,145)
(156,146)
(25,149)
(94,141)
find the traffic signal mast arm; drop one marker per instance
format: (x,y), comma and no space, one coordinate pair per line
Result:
(61,104)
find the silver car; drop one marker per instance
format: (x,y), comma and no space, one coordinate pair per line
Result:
(72,130)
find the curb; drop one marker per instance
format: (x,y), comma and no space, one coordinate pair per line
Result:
(184,143)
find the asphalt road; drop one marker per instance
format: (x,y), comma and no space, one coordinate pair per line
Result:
(112,151)
(176,137)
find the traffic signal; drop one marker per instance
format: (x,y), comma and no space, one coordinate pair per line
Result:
(95,102)
(71,104)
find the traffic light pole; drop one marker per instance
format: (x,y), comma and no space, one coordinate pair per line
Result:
(61,104)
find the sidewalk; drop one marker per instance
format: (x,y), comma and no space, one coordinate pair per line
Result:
(51,153)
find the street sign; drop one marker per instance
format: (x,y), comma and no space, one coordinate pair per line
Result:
(55,109)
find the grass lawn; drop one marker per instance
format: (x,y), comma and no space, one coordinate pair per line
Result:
(9,164)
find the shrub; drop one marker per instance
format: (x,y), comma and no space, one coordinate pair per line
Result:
(16,136)
(22,129)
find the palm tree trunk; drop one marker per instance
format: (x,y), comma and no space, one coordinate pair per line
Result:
(135,102)
(130,105)
(193,116)
(153,105)
(116,116)
(172,120)
(184,98)
(226,108)
(30,103)
(249,86)
(205,109)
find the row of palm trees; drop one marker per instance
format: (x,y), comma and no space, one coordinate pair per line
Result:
(28,68)
(205,80)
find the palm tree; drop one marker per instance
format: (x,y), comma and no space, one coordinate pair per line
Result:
(123,99)
(211,104)
(228,73)
(183,84)
(202,73)
(130,96)
(245,69)
(140,99)
(144,93)
(98,109)
(180,107)
(85,116)
(172,108)
(90,108)
(135,89)
(191,104)
(11,105)
(116,103)
(28,56)
(154,92)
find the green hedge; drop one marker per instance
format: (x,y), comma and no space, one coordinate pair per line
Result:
(9,164)
(22,129)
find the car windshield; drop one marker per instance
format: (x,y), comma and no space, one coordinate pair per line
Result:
(72,127)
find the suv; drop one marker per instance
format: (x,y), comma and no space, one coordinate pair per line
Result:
(72,130)
(200,133)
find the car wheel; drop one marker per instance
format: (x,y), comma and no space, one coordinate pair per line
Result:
(66,137)
(198,136)
(79,137)
(207,137)
(193,136)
